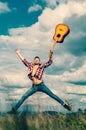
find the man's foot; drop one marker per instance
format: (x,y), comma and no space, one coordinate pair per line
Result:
(67,107)
(13,111)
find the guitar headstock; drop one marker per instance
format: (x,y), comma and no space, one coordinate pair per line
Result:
(61,31)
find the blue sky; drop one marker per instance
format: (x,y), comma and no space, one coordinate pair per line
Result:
(30,26)
(18,14)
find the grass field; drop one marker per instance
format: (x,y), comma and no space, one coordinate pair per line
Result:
(41,121)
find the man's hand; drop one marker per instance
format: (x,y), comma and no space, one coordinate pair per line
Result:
(17,51)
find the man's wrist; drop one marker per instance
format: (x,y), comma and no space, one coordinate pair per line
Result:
(51,52)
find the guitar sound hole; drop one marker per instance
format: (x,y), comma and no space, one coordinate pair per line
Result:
(58,35)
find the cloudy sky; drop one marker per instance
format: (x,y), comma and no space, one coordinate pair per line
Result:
(29,25)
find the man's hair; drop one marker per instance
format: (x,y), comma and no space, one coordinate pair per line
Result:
(36,57)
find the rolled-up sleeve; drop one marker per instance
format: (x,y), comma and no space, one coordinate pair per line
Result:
(26,63)
(48,63)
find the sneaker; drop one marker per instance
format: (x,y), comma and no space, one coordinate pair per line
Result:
(13,111)
(67,107)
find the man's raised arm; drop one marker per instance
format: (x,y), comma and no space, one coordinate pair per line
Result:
(19,55)
(50,55)
(52,50)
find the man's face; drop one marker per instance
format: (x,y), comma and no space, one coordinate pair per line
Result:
(36,61)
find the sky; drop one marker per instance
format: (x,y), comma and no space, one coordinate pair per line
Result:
(29,26)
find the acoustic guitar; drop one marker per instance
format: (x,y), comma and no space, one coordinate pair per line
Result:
(61,31)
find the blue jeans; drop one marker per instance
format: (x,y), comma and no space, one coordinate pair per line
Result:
(41,88)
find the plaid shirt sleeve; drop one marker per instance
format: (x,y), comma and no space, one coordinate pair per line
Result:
(48,63)
(26,63)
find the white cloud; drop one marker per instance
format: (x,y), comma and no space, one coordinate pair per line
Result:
(77,75)
(4,7)
(14,78)
(77,7)
(68,60)
(51,17)
(78,89)
(34,8)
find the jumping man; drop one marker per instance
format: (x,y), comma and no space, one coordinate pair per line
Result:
(35,73)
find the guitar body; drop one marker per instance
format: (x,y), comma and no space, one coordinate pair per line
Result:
(61,31)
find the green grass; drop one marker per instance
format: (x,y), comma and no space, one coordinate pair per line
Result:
(73,121)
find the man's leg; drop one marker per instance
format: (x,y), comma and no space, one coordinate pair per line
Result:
(46,90)
(22,99)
